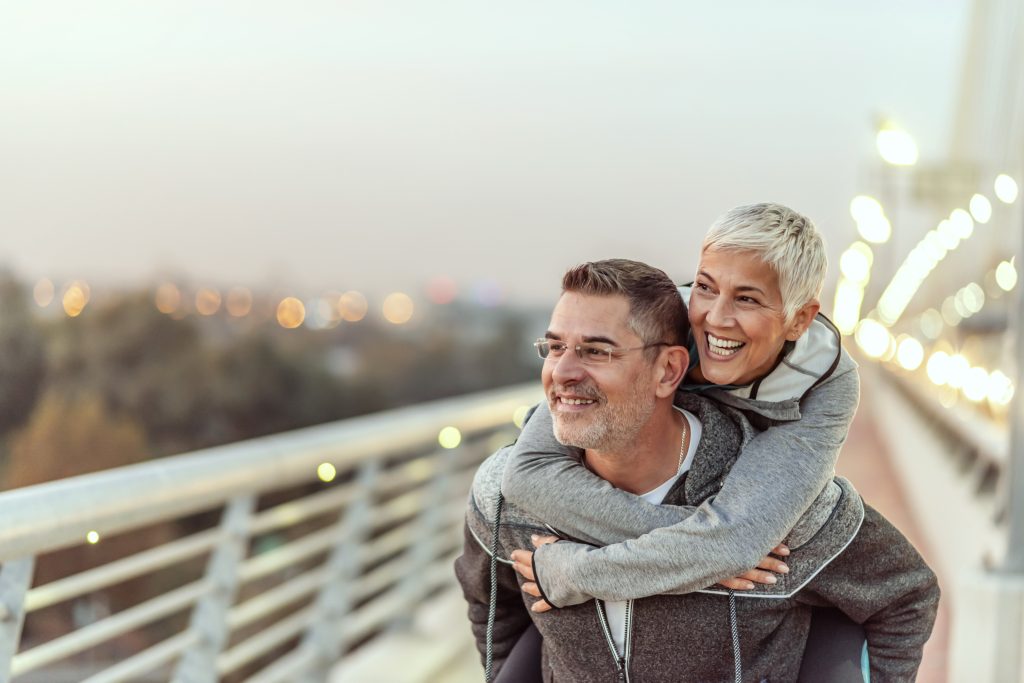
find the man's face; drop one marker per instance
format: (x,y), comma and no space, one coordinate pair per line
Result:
(597,406)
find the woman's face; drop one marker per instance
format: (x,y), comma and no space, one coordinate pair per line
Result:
(737,317)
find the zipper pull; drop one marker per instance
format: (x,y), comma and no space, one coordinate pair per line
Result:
(622,668)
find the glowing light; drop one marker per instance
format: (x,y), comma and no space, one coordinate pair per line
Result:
(398,308)
(863,207)
(896,146)
(43,293)
(875,229)
(976,384)
(442,290)
(519,416)
(931,323)
(1006,188)
(938,367)
(981,208)
(950,315)
(326,312)
(973,297)
(855,263)
(290,313)
(910,353)
(352,306)
(207,301)
(326,472)
(74,300)
(1006,276)
(450,437)
(239,302)
(872,338)
(958,369)
(167,298)
(947,236)
(1000,388)
(93,537)
(962,223)
(849,297)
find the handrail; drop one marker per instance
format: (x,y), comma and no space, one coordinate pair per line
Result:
(57,514)
(345,560)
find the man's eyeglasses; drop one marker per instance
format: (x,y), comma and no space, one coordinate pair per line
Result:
(591,353)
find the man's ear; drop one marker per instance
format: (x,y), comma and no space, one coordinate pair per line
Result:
(673,362)
(802,319)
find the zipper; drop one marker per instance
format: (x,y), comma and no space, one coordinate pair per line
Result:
(621,661)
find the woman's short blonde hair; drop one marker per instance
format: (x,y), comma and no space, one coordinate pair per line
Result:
(786,240)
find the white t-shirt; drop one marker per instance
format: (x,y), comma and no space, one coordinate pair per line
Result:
(616,611)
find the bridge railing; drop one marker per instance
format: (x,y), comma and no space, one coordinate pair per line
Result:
(295,573)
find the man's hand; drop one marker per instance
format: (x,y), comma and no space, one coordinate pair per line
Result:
(522,561)
(762,573)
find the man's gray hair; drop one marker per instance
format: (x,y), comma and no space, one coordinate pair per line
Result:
(785,240)
(656,311)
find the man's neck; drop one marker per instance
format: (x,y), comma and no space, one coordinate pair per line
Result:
(648,460)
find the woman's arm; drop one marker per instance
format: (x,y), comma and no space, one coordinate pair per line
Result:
(667,549)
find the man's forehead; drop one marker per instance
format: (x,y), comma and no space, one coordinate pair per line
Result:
(591,316)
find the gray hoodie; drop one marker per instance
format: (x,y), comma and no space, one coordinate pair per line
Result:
(802,409)
(850,558)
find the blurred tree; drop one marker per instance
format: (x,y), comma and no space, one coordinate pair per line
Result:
(22,355)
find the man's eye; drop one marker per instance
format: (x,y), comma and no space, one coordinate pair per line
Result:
(701,287)
(595,351)
(556,348)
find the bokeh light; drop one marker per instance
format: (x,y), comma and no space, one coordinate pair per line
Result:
(239,302)
(93,537)
(1006,188)
(442,290)
(519,416)
(896,146)
(167,298)
(976,384)
(352,306)
(962,223)
(909,353)
(1000,388)
(872,338)
(938,367)
(398,308)
(932,323)
(981,208)
(75,299)
(855,263)
(326,472)
(449,437)
(1006,275)
(207,301)
(959,367)
(43,293)
(863,207)
(290,313)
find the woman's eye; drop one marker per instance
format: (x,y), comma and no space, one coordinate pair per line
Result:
(747,300)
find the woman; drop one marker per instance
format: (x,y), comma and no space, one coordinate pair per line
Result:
(762,348)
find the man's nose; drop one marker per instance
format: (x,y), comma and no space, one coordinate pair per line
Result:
(568,368)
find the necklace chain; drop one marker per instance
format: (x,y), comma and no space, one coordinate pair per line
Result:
(682,444)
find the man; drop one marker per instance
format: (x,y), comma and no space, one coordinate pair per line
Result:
(613,360)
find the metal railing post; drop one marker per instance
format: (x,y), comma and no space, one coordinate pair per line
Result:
(15,578)
(334,601)
(210,615)
(424,548)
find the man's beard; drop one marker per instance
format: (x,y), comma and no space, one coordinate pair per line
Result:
(606,428)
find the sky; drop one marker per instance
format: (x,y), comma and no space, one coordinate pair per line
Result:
(377,145)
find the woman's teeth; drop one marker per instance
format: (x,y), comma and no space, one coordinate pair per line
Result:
(723,347)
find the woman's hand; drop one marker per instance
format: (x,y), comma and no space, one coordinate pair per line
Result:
(762,573)
(522,561)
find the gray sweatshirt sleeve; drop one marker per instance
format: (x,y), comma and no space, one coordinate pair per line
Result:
(653,549)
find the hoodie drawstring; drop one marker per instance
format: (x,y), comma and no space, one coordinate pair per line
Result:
(492,608)
(737,665)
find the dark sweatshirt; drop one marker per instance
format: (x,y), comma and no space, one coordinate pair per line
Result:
(845,555)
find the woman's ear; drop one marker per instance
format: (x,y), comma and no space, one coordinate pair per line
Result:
(674,361)
(802,319)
